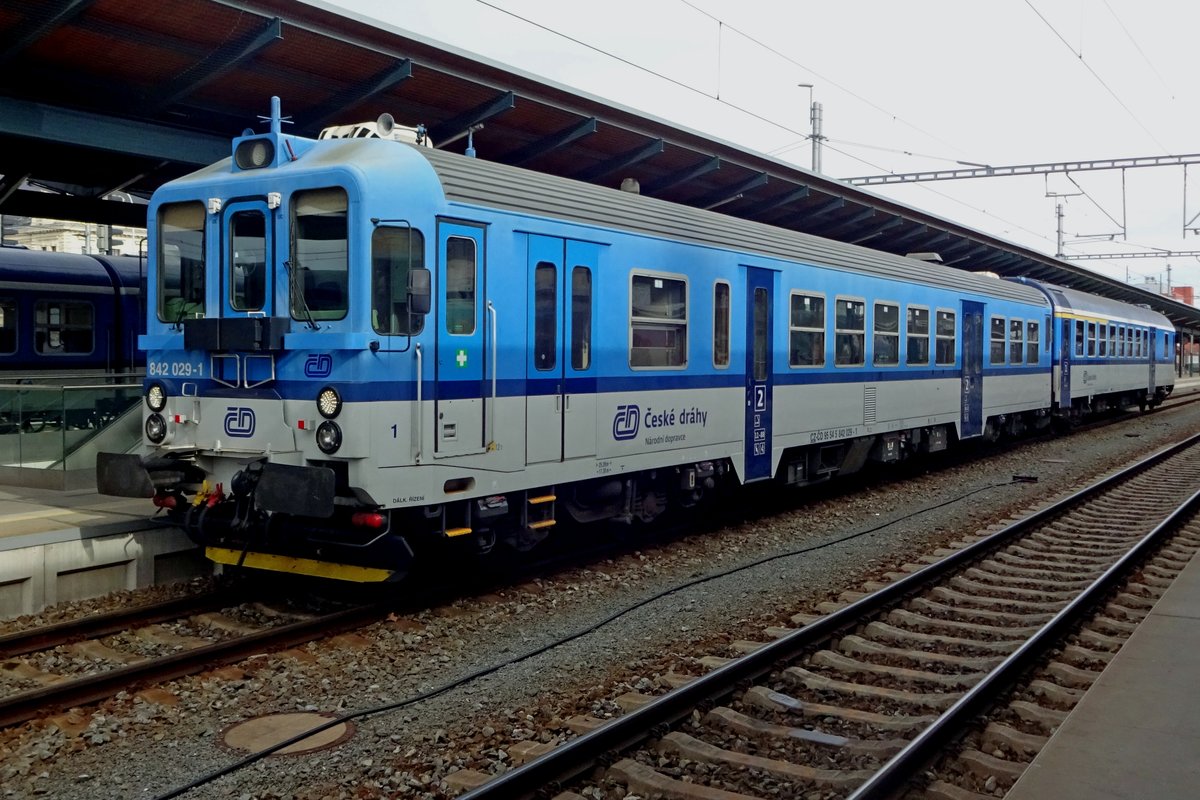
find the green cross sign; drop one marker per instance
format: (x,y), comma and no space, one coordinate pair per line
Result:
(461,358)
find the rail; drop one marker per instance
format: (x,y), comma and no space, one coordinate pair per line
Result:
(571,759)
(30,704)
(896,773)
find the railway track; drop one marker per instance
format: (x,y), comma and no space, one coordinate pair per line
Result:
(881,694)
(43,670)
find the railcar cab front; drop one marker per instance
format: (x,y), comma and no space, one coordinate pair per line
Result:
(277,294)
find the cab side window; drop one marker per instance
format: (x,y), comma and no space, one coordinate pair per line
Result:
(395,252)
(460,285)
(180,262)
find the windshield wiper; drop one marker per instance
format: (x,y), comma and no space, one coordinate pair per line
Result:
(293,286)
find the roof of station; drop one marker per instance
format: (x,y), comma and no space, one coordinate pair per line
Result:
(106,95)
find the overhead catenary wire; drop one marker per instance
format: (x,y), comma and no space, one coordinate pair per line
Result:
(945,196)
(1095,202)
(716,96)
(895,117)
(633,64)
(1138,47)
(1079,55)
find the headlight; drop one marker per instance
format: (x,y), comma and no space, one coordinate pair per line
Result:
(329,437)
(329,403)
(254,153)
(156,397)
(156,428)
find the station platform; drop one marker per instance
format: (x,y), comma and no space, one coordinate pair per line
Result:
(59,546)
(1136,733)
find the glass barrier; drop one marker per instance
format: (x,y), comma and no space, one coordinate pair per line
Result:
(48,426)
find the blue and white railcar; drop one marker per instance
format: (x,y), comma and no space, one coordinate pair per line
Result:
(1107,354)
(357,347)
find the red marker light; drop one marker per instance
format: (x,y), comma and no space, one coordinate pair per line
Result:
(364,519)
(165,500)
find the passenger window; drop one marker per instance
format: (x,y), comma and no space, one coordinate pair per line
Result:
(1091,338)
(658,322)
(806,329)
(886,341)
(917,331)
(1079,337)
(1112,341)
(8,326)
(850,327)
(581,318)
(180,262)
(545,316)
(997,339)
(460,285)
(1166,353)
(1049,332)
(1121,337)
(945,334)
(1016,341)
(721,324)
(319,262)
(62,327)
(1031,342)
(395,252)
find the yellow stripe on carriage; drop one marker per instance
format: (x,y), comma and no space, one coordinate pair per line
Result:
(299,566)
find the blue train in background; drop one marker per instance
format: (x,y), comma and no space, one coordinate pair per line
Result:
(67,319)
(69,313)
(357,348)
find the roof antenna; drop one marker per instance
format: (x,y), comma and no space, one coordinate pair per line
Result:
(276,119)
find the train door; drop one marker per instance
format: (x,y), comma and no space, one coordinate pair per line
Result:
(1152,334)
(247,287)
(972,369)
(759,384)
(560,405)
(1066,344)
(462,339)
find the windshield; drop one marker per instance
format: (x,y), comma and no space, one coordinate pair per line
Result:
(180,261)
(319,258)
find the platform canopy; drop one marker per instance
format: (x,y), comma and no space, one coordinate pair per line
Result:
(101,96)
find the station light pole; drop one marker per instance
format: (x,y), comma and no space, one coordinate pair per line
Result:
(816,117)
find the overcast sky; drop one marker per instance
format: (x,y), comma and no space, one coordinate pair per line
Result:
(906,86)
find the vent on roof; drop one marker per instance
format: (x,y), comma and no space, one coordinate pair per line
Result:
(934,257)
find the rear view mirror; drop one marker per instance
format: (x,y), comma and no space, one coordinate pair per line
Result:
(419,292)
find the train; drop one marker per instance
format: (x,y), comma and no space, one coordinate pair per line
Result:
(66,312)
(67,318)
(359,350)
